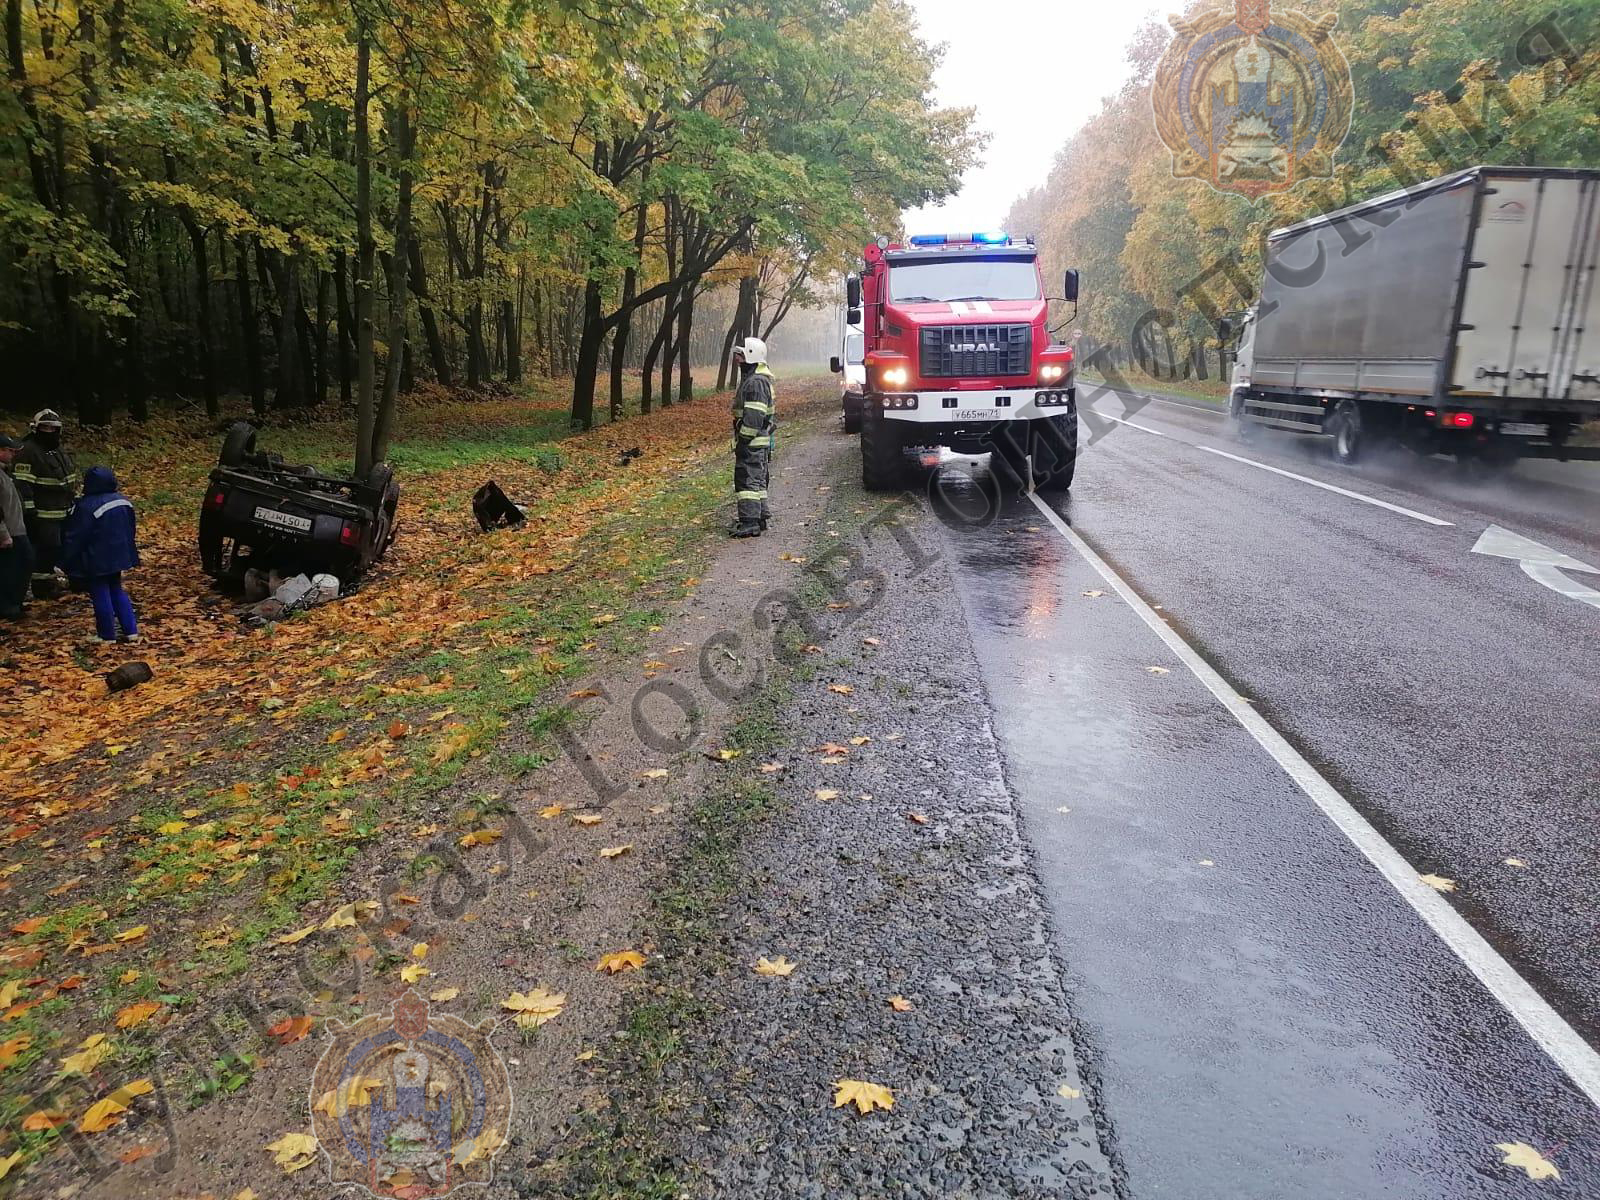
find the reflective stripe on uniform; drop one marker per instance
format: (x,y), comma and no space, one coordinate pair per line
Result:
(43,481)
(759,406)
(50,514)
(746,432)
(119,502)
(762,495)
(759,443)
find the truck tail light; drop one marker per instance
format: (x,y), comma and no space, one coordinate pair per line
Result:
(215,498)
(1461,420)
(349,535)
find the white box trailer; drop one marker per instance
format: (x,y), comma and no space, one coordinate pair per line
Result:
(1461,316)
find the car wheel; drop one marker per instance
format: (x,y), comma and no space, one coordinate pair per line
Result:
(238,444)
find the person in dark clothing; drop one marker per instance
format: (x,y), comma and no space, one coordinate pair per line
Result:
(16,550)
(100,544)
(754,424)
(45,475)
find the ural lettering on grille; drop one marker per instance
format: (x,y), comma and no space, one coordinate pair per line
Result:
(953,351)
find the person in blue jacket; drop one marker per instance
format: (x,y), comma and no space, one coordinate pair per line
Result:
(99,545)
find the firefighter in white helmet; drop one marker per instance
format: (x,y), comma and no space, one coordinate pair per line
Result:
(754,424)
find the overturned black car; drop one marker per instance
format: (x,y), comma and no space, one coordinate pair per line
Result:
(262,512)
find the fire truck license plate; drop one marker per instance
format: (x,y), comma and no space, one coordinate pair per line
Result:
(975,414)
(283,520)
(1524,429)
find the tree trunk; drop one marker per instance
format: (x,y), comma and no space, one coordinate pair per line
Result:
(685,345)
(418,282)
(587,368)
(291,392)
(366,257)
(249,329)
(630,287)
(320,340)
(403,138)
(343,322)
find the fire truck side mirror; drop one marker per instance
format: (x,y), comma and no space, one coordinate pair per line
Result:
(1070,291)
(835,365)
(1224,329)
(853,316)
(852,294)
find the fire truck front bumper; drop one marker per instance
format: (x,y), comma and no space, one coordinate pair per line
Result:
(974,407)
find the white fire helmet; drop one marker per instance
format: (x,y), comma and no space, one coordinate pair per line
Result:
(752,350)
(45,418)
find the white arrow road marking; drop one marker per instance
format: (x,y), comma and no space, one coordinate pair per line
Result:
(1564,1044)
(1553,579)
(1540,563)
(1502,543)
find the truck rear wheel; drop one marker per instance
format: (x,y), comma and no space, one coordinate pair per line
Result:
(1244,429)
(883,463)
(237,444)
(1345,426)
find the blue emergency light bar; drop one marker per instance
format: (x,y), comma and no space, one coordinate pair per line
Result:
(960,239)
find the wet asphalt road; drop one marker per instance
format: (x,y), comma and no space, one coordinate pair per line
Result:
(1265,1016)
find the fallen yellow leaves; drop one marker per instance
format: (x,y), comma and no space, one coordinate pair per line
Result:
(1159,670)
(412,972)
(137,1014)
(587,818)
(299,935)
(917,818)
(900,1004)
(105,1113)
(843,689)
(727,755)
(444,995)
(292,1029)
(865,1096)
(535,1007)
(552,810)
(351,1093)
(1516,862)
(92,1051)
(12,1050)
(826,794)
(1525,1157)
(294,1151)
(779,967)
(616,851)
(481,837)
(771,768)
(9,992)
(620,960)
(1438,883)
(132,935)
(43,1119)
(654,773)
(346,917)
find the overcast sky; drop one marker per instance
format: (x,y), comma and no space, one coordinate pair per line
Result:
(1035,70)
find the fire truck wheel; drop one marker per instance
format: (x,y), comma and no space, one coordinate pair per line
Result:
(1345,425)
(883,466)
(1055,452)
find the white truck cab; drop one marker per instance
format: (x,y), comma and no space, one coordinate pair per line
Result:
(850,365)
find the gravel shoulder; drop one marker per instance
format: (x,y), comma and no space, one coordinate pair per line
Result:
(885,858)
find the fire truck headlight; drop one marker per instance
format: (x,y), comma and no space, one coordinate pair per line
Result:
(1051,372)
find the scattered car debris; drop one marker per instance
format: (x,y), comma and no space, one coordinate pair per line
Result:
(128,675)
(493,508)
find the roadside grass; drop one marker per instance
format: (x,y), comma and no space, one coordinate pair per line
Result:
(183,839)
(1211,391)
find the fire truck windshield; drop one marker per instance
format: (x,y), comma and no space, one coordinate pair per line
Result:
(963,279)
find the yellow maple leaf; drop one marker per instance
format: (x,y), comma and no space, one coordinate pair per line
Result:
(620,960)
(480,1147)
(95,1051)
(900,1004)
(1438,883)
(172,827)
(588,818)
(481,837)
(347,916)
(826,794)
(843,689)
(865,1096)
(137,1014)
(779,966)
(9,991)
(105,1113)
(412,972)
(11,1050)
(443,995)
(726,755)
(552,810)
(351,1093)
(133,934)
(615,851)
(534,1007)
(1520,1154)
(294,1151)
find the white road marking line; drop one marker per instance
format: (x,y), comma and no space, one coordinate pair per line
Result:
(1503,543)
(1552,578)
(1559,1040)
(1316,483)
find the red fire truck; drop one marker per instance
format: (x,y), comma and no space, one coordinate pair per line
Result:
(959,355)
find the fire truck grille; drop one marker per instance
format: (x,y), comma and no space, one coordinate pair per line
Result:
(950,351)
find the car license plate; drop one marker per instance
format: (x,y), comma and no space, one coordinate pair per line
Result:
(283,520)
(1524,429)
